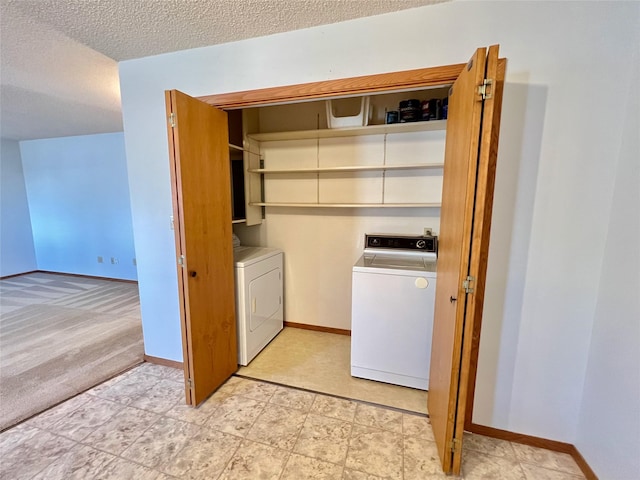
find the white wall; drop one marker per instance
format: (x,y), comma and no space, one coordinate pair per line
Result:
(554,184)
(609,425)
(571,207)
(17,254)
(79,201)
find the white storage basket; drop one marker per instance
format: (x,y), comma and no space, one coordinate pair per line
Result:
(359,120)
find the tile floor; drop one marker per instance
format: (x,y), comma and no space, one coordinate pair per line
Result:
(321,362)
(136,426)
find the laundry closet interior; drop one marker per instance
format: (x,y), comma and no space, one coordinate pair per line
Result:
(297,169)
(322,189)
(314,192)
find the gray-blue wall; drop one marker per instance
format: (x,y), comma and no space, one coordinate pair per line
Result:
(17,254)
(78,196)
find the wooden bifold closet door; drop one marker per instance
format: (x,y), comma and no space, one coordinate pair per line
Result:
(467,196)
(200,173)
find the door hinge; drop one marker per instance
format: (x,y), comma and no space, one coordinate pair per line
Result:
(466,284)
(455,445)
(190,382)
(181,261)
(172,120)
(482,89)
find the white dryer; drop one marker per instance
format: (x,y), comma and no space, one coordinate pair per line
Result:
(259,298)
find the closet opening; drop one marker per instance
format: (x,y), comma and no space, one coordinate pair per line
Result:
(318,175)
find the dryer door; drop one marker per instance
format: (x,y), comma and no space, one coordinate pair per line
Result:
(266,300)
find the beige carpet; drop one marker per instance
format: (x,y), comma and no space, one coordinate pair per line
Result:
(60,335)
(321,362)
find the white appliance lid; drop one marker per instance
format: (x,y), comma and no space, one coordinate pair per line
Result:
(245,256)
(397,264)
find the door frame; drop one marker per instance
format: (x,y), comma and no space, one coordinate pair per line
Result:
(378,83)
(383,82)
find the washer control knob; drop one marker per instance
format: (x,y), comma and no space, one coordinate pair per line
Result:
(422,282)
(421,244)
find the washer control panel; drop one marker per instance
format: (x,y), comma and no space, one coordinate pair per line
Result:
(402,242)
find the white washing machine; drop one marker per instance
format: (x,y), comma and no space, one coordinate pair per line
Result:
(393,300)
(259,298)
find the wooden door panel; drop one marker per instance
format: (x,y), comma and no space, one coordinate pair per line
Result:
(202,217)
(487,158)
(479,241)
(461,152)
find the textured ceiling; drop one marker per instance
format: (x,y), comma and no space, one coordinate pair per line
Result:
(59,58)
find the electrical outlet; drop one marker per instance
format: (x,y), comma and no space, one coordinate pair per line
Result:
(114,261)
(428,232)
(100,260)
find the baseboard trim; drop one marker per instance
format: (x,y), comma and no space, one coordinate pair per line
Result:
(71,275)
(532,441)
(18,274)
(582,463)
(520,438)
(162,361)
(87,276)
(318,328)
